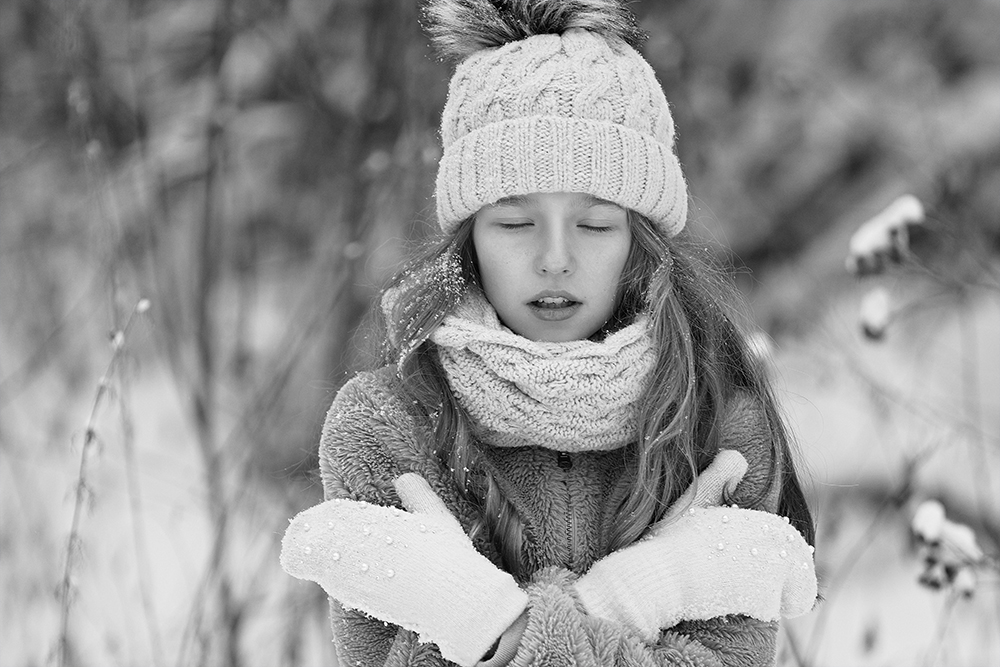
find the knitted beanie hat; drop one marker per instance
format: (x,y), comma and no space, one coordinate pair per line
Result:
(551,96)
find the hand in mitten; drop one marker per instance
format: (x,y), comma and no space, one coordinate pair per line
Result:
(416,569)
(703,562)
(721,477)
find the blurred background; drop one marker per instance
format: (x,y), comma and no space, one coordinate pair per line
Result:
(199,199)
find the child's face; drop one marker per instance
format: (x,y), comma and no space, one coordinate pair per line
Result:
(551,262)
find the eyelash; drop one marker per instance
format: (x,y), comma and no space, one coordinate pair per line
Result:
(599,229)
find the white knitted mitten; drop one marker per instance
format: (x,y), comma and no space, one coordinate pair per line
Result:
(721,476)
(703,562)
(415,569)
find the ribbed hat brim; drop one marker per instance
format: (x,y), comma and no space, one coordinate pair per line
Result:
(557,154)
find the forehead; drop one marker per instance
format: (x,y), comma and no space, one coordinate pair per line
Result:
(575,200)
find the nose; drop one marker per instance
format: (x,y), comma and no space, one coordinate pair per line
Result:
(555,255)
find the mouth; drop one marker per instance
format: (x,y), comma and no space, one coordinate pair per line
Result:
(553,302)
(553,307)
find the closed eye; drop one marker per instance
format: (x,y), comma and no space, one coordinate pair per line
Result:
(596,227)
(513,225)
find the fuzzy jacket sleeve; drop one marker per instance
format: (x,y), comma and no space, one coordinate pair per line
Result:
(745,430)
(371,437)
(560,632)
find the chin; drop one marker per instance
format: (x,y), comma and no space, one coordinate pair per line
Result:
(555,335)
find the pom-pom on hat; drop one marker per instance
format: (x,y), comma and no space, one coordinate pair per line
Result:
(551,96)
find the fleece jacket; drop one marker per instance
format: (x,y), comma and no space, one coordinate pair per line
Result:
(373,434)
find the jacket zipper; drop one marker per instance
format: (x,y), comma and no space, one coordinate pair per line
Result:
(565,462)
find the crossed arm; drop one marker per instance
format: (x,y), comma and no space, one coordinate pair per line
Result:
(557,616)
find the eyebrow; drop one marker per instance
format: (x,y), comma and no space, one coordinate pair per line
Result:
(512,200)
(582,202)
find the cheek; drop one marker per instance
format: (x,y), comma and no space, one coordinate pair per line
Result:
(485,256)
(491,269)
(614,263)
(497,271)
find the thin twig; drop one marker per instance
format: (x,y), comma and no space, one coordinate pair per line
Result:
(863,544)
(297,335)
(972,402)
(192,628)
(937,646)
(916,408)
(19,379)
(204,393)
(792,643)
(144,569)
(74,542)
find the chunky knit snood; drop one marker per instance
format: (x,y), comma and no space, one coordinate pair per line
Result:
(573,396)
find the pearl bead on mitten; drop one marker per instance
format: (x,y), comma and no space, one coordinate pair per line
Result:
(416,569)
(704,562)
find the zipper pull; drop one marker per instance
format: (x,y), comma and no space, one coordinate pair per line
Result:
(564,460)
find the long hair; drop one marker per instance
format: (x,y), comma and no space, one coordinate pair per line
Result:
(702,362)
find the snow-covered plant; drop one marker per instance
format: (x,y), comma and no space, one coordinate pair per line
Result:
(884,238)
(949,551)
(876,312)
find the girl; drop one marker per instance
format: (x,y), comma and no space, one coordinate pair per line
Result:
(508,485)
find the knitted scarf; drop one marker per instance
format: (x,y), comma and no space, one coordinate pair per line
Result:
(572,397)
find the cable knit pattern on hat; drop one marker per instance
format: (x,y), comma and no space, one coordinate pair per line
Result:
(573,396)
(576,112)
